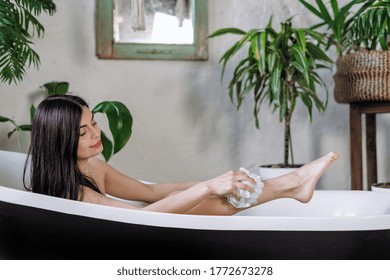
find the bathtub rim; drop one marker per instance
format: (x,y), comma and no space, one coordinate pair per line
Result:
(199,222)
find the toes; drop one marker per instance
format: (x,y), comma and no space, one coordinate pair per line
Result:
(333,156)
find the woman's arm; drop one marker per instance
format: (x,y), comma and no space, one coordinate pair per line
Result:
(180,202)
(171,198)
(119,185)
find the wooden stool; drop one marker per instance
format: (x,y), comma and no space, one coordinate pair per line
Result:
(370,109)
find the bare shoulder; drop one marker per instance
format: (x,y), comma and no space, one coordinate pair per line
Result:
(98,163)
(98,166)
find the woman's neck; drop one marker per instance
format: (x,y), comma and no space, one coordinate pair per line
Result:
(83,166)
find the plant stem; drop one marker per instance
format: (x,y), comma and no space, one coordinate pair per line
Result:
(20,133)
(287,136)
(20,146)
(291,149)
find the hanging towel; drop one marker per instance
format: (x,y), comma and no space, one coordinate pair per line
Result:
(180,10)
(138,15)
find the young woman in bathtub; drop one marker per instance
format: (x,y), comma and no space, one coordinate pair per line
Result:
(65,141)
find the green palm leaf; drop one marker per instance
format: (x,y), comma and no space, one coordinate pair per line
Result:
(18,24)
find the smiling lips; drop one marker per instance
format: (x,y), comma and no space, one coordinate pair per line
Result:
(97,145)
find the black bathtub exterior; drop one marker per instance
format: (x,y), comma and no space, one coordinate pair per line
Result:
(34,233)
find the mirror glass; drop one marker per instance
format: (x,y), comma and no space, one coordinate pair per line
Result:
(153,22)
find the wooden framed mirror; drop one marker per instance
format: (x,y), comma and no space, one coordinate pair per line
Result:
(152,29)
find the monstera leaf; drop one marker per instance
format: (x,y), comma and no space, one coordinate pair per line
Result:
(120,123)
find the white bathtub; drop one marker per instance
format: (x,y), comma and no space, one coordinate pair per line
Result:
(334,225)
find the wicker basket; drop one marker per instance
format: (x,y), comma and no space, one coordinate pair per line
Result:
(363,76)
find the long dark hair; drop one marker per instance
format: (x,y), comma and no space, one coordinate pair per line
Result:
(52,159)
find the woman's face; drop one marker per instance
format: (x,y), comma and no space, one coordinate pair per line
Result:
(90,144)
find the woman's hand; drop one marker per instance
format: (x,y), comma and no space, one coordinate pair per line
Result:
(229,182)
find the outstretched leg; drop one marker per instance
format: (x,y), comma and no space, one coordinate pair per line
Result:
(299,185)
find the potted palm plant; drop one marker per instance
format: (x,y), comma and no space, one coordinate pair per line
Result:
(359,32)
(279,68)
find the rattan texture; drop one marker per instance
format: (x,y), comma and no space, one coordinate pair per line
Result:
(362,76)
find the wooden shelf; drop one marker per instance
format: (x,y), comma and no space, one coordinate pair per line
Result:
(356,111)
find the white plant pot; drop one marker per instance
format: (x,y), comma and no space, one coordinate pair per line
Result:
(381,187)
(272,172)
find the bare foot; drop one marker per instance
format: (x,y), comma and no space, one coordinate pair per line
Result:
(309,174)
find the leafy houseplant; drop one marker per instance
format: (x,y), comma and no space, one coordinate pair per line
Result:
(366,28)
(359,31)
(370,26)
(18,22)
(280,67)
(360,39)
(119,119)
